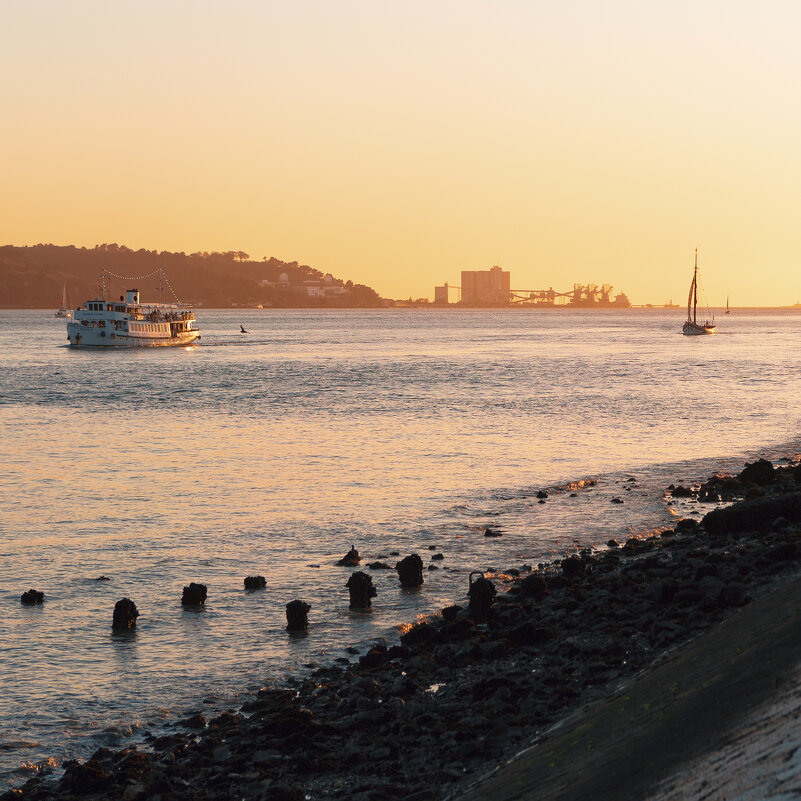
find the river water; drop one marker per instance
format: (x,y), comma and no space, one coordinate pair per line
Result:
(271,452)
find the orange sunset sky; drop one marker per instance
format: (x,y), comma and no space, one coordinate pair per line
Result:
(398,143)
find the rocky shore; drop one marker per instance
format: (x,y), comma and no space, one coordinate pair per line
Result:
(465,691)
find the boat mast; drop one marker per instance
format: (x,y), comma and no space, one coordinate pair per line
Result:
(695,285)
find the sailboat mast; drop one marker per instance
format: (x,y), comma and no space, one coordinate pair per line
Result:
(695,284)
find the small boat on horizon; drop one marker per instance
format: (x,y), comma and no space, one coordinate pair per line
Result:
(691,327)
(64,309)
(728,310)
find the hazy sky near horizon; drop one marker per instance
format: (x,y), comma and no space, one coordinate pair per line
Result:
(398,143)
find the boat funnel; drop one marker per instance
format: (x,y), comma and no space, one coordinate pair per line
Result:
(132,297)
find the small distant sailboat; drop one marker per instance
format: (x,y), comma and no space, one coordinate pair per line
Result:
(63,310)
(728,310)
(692,327)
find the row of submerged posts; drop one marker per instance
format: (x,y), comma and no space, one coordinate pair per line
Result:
(360,588)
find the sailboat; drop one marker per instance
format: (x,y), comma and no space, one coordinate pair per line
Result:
(692,327)
(64,308)
(728,310)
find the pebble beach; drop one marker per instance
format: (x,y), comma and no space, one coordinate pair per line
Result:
(467,703)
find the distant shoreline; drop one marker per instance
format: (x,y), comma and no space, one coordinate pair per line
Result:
(452,307)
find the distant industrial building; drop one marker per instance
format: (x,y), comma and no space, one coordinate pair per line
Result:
(493,288)
(486,287)
(441,295)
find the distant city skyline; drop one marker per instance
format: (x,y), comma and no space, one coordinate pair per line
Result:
(398,144)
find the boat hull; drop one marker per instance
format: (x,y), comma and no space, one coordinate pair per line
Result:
(693,329)
(84,336)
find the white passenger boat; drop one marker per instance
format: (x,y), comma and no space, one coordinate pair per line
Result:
(129,323)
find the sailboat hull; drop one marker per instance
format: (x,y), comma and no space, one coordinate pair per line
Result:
(693,329)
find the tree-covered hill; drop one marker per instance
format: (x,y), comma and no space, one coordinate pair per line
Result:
(33,277)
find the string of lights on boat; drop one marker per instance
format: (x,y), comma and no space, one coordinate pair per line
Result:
(160,271)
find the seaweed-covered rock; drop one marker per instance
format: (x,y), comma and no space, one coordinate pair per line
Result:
(84,778)
(361,589)
(482,596)
(410,571)
(32,597)
(572,567)
(754,515)
(350,559)
(125,614)
(534,586)
(760,472)
(297,615)
(255,582)
(194,594)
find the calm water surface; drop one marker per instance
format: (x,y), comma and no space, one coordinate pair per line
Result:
(272,452)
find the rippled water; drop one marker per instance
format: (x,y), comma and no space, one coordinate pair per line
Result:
(272,452)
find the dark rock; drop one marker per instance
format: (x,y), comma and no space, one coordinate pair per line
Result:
(662,591)
(32,597)
(686,524)
(438,556)
(195,722)
(350,559)
(255,582)
(85,778)
(784,552)
(529,634)
(194,594)
(613,543)
(459,630)
(134,766)
(705,570)
(297,615)
(125,614)
(379,566)
(482,595)
(423,634)
(542,494)
(449,613)
(760,472)
(375,657)
(361,589)
(410,571)
(616,500)
(681,492)
(102,578)
(754,515)
(572,567)
(492,532)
